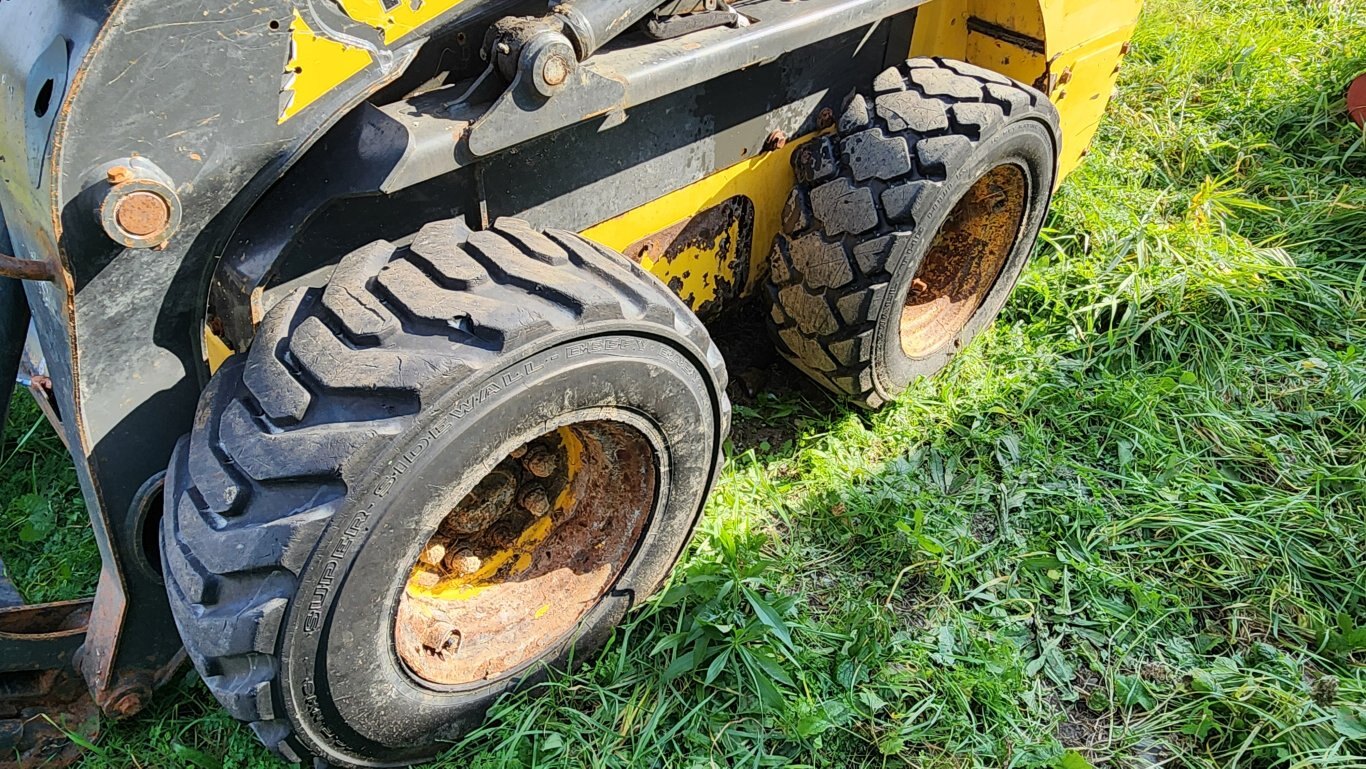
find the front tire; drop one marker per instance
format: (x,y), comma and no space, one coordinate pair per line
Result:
(458,464)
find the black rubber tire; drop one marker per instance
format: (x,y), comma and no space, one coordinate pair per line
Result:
(410,368)
(866,207)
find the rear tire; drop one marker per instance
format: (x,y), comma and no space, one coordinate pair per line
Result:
(324,464)
(908,229)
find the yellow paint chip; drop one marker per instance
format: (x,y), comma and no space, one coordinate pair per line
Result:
(765,179)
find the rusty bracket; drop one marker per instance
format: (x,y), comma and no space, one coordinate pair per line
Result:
(26,269)
(41,708)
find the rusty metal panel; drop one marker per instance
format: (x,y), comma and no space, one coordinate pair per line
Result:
(704,258)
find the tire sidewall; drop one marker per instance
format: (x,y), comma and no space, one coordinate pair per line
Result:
(344,688)
(1026,143)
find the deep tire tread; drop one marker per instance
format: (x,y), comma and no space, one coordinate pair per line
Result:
(252,489)
(855,194)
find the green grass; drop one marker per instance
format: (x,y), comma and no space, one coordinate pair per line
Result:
(45,537)
(1126,528)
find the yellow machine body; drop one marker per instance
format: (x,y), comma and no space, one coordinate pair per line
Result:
(1070,49)
(692,238)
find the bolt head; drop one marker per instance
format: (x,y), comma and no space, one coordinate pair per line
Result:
(463,563)
(534,500)
(540,462)
(433,554)
(119,174)
(128,705)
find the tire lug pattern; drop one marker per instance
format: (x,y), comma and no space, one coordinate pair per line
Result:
(859,195)
(283,431)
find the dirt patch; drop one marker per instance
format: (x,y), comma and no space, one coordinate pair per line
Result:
(760,378)
(984,526)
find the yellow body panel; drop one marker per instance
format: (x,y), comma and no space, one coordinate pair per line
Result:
(1071,49)
(765,180)
(215,349)
(316,65)
(401,20)
(1078,45)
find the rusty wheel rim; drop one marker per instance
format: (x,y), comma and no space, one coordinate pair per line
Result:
(519,561)
(964,261)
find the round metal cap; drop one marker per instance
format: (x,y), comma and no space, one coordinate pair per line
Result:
(138,212)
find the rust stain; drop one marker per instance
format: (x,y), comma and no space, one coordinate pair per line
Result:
(39,710)
(516,572)
(964,260)
(26,269)
(704,259)
(142,214)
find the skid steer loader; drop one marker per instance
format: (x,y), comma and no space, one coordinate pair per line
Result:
(375,328)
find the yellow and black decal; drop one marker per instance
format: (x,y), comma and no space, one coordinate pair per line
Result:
(321,60)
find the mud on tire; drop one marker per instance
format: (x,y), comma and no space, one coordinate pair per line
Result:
(897,243)
(322,461)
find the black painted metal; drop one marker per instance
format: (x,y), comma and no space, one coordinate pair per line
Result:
(13,331)
(193,86)
(574,179)
(9,595)
(41,637)
(624,75)
(670,142)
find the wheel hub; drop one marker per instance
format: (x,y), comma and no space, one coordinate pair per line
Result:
(526,554)
(964,260)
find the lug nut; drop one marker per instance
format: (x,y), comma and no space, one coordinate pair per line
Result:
(484,505)
(433,554)
(540,462)
(463,563)
(533,499)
